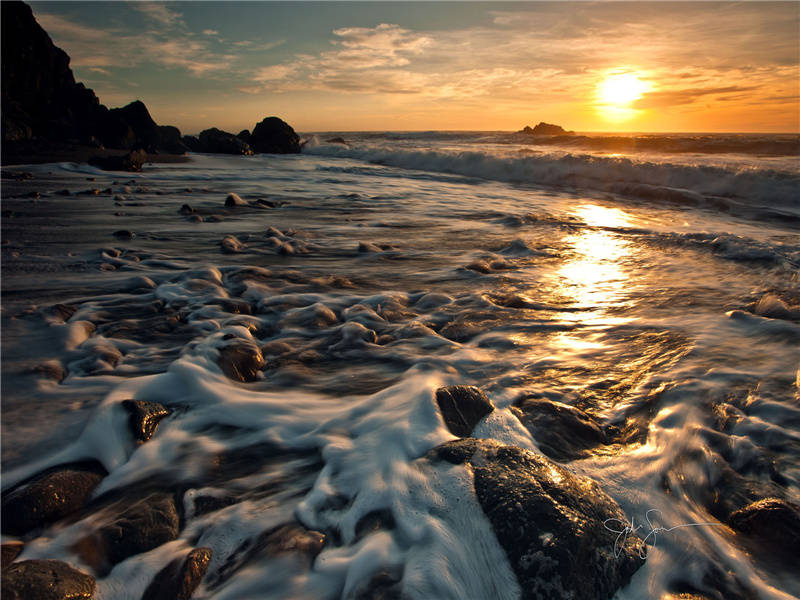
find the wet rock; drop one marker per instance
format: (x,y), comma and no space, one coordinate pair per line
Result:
(462,406)
(136,526)
(51,369)
(186,210)
(274,136)
(132,161)
(233,200)
(368,247)
(549,521)
(62,311)
(144,417)
(231,244)
(335,140)
(292,537)
(561,431)
(773,522)
(50,496)
(219,142)
(9,551)
(241,361)
(383,585)
(124,234)
(46,580)
(179,579)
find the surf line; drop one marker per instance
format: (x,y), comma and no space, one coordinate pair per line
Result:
(628,528)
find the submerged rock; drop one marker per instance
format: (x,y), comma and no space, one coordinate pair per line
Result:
(241,361)
(775,523)
(144,417)
(462,407)
(46,580)
(274,136)
(231,244)
(49,497)
(234,200)
(180,578)
(561,431)
(549,521)
(137,526)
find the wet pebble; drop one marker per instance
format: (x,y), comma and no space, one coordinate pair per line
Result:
(462,407)
(124,234)
(144,417)
(179,579)
(46,580)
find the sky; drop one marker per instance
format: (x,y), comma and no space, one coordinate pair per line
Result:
(359,66)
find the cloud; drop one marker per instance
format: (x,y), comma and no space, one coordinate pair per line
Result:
(677,97)
(158,12)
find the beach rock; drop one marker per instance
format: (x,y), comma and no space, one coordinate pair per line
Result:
(274,136)
(231,244)
(292,537)
(773,522)
(192,142)
(124,234)
(135,526)
(132,161)
(49,497)
(169,140)
(241,361)
(368,247)
(549,521)
(179,579)
(142,130)
(186,210)
(10,551)
(46,580)
(383,585)
(561,431)
(221,142)
(233,200)
(144,417)
(462,406)
(546,129)
(335,140)
(51,369)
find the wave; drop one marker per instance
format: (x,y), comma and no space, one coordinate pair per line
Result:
(770,189)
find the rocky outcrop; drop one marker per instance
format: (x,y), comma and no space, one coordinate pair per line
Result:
(773,522)
(462,407)
(131,162)
(169,140)
(274,136)
(216,141)
(46,580)
(9,552)
(179,579)
(241,361)
(549,521)
(546,129)
(244,135)
(50,496)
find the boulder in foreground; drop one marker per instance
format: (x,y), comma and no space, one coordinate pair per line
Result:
(46,580)
(132,161)
(180,578)
(462,407)
(274,136)
(549,521)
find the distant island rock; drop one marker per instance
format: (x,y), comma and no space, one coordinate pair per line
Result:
(546,129)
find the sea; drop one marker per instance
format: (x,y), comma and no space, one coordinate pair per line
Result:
(648,281)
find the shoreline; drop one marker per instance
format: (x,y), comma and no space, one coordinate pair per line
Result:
(37,153)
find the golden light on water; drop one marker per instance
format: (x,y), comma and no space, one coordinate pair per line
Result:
(617,92)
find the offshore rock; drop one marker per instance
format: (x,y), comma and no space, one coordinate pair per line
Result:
(546,129)
(180,578)
(144,417)
(46,580)
(549,521)
(217,141)
(462,406)
(274,136)
(49,497)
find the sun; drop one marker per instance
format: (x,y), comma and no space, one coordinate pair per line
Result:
(621,89)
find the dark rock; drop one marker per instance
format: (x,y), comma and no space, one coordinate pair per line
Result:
(137,526)
(336,140)
(383,585)
(244,135)
(546,129)
(187,210)
(368,247)
(62,311)
(241,361)
(179,579)
(169,140)
(462,406)
(10,551)
(773,522)
(141,132)
(51,369)
(221,142)
(132,161)
(549,521)
(292,537)
(274,136)
(50,496)
(231,244)
(46,580)
(124,234)
(561,431)
(233,200)
(144,417)
(192,142)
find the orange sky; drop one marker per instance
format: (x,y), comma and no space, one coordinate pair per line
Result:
(478,66)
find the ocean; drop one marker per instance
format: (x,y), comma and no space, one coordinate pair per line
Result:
(643,286)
